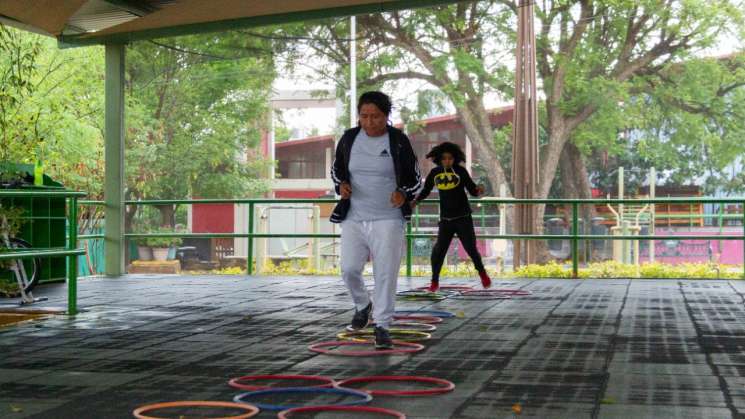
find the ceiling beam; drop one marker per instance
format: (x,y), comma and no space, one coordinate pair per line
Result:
(248,22)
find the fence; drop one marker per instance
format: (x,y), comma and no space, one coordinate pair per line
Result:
(575,237)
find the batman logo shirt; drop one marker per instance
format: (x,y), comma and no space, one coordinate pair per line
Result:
(446,181)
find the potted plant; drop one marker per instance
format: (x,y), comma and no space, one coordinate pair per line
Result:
(144,251)
(162,245)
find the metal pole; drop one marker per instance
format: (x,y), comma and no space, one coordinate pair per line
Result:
(352,71)
(652,211)
(72,260)
(575,256)
(114,160)
(316,249)
(721,229)
(408,249)
(250,257)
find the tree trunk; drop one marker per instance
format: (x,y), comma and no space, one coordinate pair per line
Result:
(575,183)
(484,147)
(167,215)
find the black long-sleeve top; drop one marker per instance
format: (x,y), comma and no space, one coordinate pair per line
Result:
(451,185)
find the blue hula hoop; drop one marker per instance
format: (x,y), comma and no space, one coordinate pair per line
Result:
(435,313)
(364,397)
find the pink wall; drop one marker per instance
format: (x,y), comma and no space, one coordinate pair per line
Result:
(730,252)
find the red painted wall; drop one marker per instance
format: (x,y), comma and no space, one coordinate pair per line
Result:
(307,194)
(212,218)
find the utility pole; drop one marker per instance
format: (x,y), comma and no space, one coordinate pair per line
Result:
(525,134)
(353,71)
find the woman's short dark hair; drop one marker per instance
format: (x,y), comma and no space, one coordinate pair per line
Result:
(379,99)
(447,147)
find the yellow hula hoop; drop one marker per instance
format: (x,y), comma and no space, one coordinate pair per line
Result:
(396,334)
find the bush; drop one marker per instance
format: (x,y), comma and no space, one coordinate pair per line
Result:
(612,269)
(162,241)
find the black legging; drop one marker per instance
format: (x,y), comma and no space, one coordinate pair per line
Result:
(464,228)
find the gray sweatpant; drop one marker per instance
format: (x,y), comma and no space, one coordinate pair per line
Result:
(381,240)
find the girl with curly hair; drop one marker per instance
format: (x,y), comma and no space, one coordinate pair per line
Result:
(452,180)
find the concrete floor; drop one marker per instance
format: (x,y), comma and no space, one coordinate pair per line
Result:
(572,349)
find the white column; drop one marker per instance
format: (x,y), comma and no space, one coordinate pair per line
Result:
(469,154)
(240,225)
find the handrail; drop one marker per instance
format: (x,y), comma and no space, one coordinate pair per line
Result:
(44,193)
(562,201)
(31,254)
(575,236)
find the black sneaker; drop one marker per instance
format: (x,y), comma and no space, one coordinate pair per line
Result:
(361,318)
(382,338)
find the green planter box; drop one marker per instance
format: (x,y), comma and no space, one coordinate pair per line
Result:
(45,222)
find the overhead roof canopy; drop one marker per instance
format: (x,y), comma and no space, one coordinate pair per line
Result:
(85,22)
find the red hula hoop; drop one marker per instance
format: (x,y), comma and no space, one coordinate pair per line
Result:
(408,348)
(236,382)
(444,385)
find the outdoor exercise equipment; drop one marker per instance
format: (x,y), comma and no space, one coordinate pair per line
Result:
(350,409)
(444,386)
(436,313)
(239,382)
(488,294)
(419,319)
(399,325)
(449,288)
(416,295)
(396,334)
(510,291)
(403,348)
(251,410)
(361,396)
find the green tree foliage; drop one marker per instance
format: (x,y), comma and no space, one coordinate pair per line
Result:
(591,56)
(196,107)
(51,108)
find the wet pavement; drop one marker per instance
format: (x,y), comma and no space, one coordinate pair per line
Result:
(571,349)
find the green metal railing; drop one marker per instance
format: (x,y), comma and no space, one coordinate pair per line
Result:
(575,237)
(71,251)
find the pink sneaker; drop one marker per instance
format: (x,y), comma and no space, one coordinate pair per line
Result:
(434,286)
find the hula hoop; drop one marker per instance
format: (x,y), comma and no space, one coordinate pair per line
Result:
(420,319)
(444,385)
(236,382)
(362,396)
(487,294)
(421,327)
(396,325)
(408,348)
(446,288)
(398,334)
(285,414)
(252,410)
(509,291)
(415,295)
(436,313)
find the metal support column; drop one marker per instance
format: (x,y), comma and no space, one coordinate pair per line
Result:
(114,161)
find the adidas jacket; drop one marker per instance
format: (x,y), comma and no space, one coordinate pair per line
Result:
(408,178)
